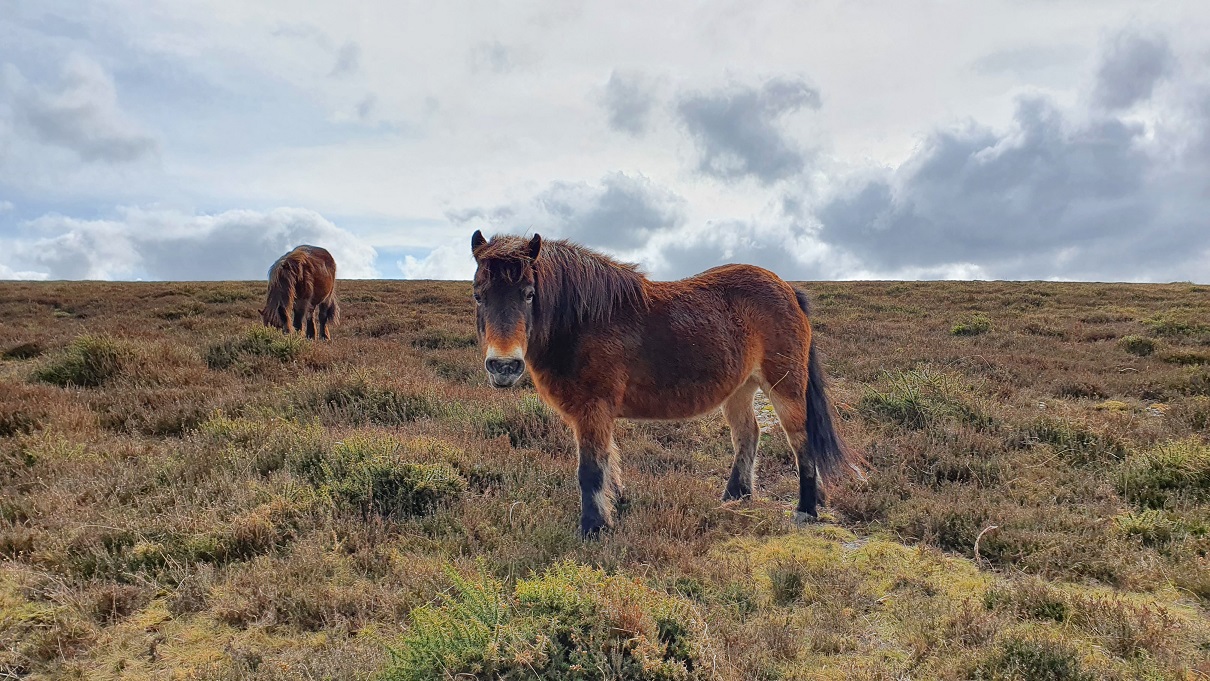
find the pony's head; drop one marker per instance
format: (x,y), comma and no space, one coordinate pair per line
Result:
(273,314)
(505,289)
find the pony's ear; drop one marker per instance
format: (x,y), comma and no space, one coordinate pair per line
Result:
(477,240)
(535,245)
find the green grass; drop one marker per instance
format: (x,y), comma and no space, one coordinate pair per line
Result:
(1167,475)
(1137,345)
(570,622)
(256,342)
(920,397)
(973,325)
(89,362)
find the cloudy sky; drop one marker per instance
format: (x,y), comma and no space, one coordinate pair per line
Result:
(889,139)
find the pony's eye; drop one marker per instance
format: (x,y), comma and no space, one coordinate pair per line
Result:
(477,298)
(529,296)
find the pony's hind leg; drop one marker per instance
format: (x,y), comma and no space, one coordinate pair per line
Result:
(790,403)
(745,435)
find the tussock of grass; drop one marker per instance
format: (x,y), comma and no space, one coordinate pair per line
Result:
(258,342)
(570,622)
(1075,442)
(1185,358)
(1167,475)
(973,325)
(22,351)
(370,474)
(915,399)
(526,422)
(360,400)
(34,632)
(1177,324)
(1137,345)
(89,362)
(1027,659)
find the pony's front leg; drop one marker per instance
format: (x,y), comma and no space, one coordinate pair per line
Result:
(600,478)
(298,320)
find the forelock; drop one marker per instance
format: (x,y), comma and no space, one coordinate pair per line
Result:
(504,258)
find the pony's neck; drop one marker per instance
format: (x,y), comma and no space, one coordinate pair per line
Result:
(579,288)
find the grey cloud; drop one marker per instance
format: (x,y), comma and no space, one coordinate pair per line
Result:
(1131,67)
(620,213)
(81,114)
(493,56)
(348,60)
(628,99)
(736,129)
(1050,198)
(365,107)
(736,241)
(236,244)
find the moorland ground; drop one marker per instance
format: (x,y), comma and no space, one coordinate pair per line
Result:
(186,495)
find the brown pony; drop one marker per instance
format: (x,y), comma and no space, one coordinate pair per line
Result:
(301,288)
(601,341)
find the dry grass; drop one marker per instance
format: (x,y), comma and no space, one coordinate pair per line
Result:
(185,496)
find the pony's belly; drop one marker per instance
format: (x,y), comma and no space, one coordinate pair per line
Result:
(680,403)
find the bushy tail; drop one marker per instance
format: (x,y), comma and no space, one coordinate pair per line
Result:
(833,457)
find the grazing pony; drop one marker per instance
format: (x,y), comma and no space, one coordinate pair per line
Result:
(602,342)
(301,288)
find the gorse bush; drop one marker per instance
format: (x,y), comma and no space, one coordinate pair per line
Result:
(257,342)
(89,362)
(972,326)
(571,622)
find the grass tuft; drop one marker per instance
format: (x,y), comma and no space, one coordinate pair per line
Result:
(89,362)
(973,325)
(1137,345)
(570,622)
(258,342)
(371,475)
(914,399)
(1167,475)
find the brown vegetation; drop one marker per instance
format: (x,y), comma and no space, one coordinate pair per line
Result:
(181,493)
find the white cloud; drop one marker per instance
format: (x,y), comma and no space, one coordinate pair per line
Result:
(157,244)
(7,273)
(449,261)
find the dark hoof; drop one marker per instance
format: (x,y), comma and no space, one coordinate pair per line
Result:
(592,528)
(805,517)
(736,493)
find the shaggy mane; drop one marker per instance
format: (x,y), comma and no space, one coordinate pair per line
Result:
(575,285)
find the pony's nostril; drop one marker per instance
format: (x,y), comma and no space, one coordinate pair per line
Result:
(507,367)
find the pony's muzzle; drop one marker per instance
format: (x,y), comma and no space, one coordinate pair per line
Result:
(502,372)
